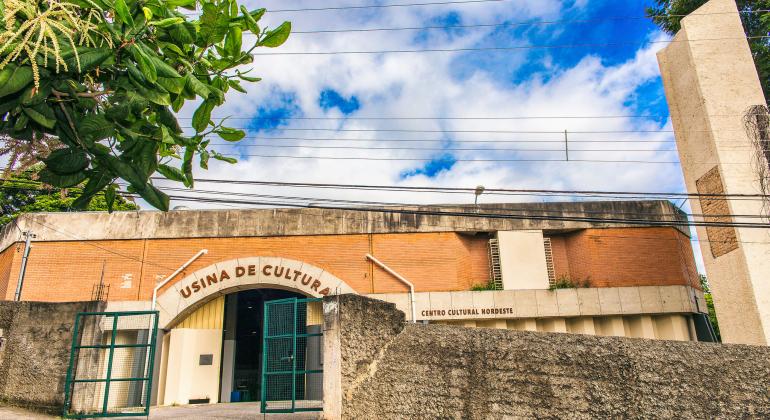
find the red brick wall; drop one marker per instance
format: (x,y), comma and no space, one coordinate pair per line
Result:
(560,256)
(67,271)
(6,266)
(631,257)
(477,248)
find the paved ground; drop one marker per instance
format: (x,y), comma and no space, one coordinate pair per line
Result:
(207,411)
(18,413)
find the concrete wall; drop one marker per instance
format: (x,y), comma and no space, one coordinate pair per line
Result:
(710,82)
(386,368)
(35,352)
(300,222)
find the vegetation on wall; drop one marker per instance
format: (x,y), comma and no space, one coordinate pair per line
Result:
(710,303)
(20,194)
(668,14)
(480,287)
(565,282)
(105,78)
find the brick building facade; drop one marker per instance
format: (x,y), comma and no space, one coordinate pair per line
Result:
(593,268)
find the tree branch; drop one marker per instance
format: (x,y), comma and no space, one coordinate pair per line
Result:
(82,94)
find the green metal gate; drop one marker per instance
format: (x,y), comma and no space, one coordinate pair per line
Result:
(111,361)
(292,346)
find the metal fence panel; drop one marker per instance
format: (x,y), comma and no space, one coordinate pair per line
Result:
(111,362)
(292,376)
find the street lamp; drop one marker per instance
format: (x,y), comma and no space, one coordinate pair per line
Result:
(478,192)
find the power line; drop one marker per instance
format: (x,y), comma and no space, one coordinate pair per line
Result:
(444,190)
(509,48)
(363,158)
(384,6)
(490,215)
(369,202)
(89,243)
(389,159)
(533,117)
(467,190)
(428,223)
(449,140)
(409,130)
(280,146)
(505,24)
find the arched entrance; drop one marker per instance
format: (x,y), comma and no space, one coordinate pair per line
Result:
(213,325)
(242,347)
(187,295)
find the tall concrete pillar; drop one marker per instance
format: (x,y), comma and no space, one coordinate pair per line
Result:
(710,82)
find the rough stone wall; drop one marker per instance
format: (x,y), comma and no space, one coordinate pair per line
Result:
(35,352)
(401,371)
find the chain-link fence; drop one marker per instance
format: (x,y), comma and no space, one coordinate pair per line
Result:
(110,370)
(292,374)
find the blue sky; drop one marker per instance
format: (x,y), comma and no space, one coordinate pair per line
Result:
(313,105)
(335,118)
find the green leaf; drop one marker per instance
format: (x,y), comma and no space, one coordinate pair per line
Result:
(172,84)
(154,95)
(122,12)
(14,78)
(21,123)
(171,173)
(66,161)
(147,14)
(61,181)
(90,58)
(213,24)
(163,23)
(161,67)
(168,119)
(124,170)
(189,154)
(154,197)
(277,36)
(183,33)
(236,85)
(223,158)
(230,134)
(202,116)
(145,65)
(97,180)
(95,127)
(180,3)
(41,114)
(109,197)
(171,47)
(145,157)
(205,159)
(233,41)
(251,22)
(249,79)
(195,85)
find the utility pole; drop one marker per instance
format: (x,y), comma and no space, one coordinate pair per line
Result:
(28,235)
(566,145)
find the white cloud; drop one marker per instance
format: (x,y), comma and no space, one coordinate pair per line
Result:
(422,85)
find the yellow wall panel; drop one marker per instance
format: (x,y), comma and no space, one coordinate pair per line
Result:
(208,317)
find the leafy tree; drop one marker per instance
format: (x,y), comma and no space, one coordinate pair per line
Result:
(704,283)
(668,14)
(104,77)
(22,194)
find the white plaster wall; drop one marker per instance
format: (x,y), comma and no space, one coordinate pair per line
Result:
(185,378)
(522,259)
